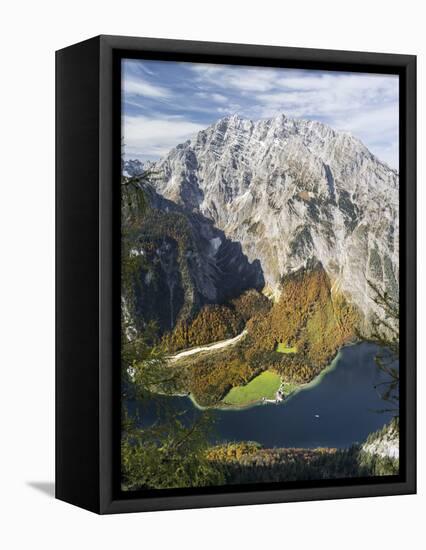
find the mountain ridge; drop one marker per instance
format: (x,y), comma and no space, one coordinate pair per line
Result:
(291,191)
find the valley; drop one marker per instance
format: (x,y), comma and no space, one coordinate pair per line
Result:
(253,282)
(307,314)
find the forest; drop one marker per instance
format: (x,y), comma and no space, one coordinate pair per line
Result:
(242,463)
(307,315)
(250,463)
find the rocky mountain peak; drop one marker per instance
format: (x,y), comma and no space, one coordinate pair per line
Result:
(290,191)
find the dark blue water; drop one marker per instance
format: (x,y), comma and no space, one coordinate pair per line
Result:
(344,398)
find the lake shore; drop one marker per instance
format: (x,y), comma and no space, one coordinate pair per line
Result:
(340,407)
(260,401)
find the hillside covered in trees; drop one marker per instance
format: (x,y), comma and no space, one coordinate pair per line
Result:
(308,316)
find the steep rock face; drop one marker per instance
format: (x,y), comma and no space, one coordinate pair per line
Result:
(177,262)
(292,191)
(385,442)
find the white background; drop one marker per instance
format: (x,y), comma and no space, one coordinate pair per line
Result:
(30,33)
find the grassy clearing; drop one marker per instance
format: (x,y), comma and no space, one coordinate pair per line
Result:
(283,348)
(288,388)
(264,385)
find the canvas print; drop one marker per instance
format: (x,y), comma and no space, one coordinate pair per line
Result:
(259,275)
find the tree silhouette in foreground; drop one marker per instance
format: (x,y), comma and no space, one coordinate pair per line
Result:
(169,452)
(385,331)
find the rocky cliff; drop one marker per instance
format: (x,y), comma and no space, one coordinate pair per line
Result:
(175,261)
(291,192)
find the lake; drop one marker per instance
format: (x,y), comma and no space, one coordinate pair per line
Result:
(337,409)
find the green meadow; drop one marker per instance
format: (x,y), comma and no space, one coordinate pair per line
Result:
(283,348)
(265,385)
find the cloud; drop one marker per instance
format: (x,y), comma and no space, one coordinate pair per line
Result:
(214,96)
(372,123)
(246,80)
(388,153)
(154,137)
(142,88)
(378,128)
(329,95)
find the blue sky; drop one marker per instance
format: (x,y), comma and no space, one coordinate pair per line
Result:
(165,103)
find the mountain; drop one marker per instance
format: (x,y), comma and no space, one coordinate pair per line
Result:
(292,193)
(131,168)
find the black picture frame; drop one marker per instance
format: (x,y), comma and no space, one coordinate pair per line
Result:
(87,271)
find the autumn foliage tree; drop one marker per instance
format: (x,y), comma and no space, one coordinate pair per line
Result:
(216,322)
